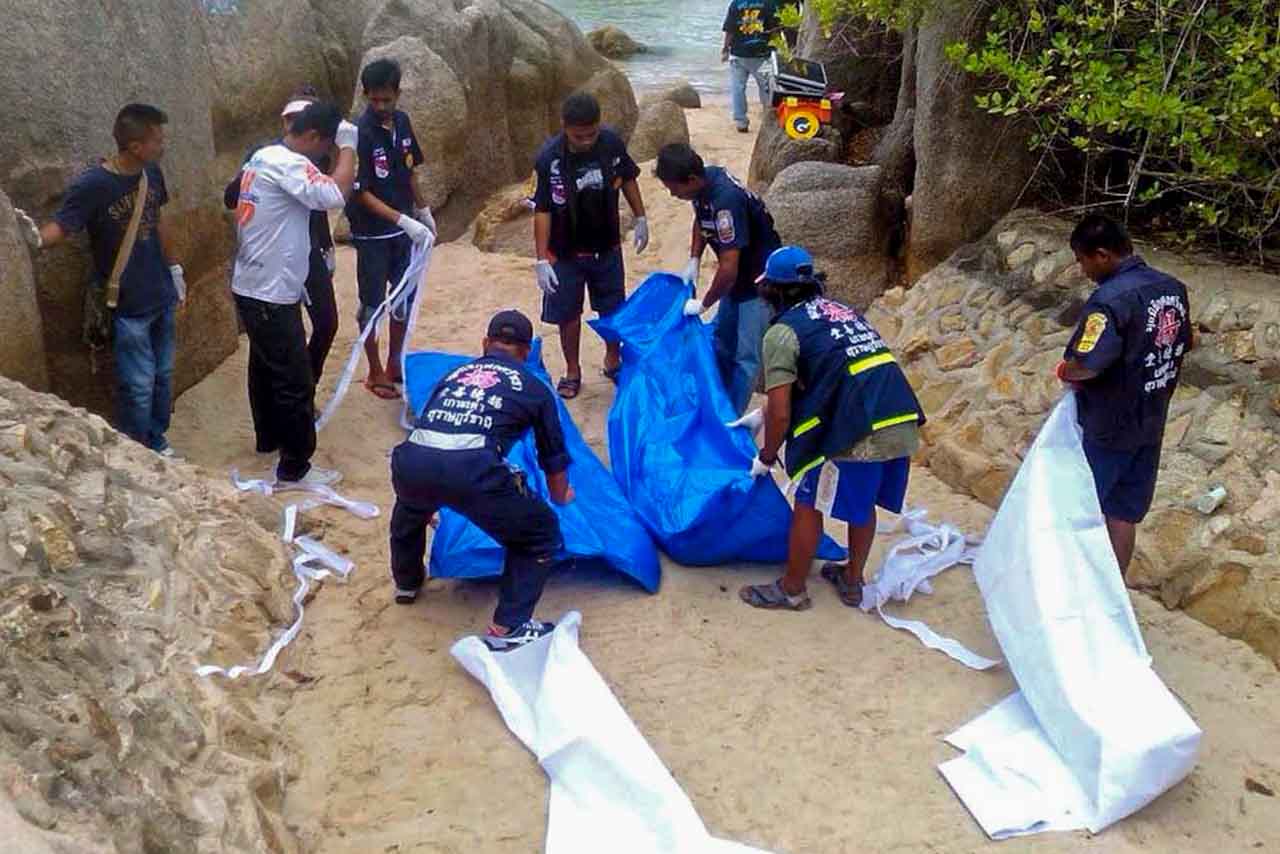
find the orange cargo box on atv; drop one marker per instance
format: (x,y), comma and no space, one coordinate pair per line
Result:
(802,118)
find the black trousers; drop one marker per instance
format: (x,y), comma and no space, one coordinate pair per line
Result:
(480,486)
(323,311)
(281,389)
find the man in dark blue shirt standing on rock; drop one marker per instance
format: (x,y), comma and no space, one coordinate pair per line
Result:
(102,201)
(576,231)
(737,226)
(748,27)
(456,458)
(1123,360)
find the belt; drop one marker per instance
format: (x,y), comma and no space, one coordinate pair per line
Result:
(594,255)
(438,441)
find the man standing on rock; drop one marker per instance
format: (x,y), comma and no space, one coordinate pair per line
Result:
(737,226)
(387,215)
(849,418)
(748,27)
(1123,361)
(279,188)
(103,200)
(456,458)
(322,304)
(576,231)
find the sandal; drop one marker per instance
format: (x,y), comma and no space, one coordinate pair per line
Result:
(773,597)
(850,594)
(568,387)
(385,391)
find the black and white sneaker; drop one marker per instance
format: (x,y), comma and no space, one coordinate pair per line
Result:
(518,637)
(407,597)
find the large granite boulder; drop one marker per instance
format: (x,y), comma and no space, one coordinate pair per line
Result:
(614,43)
(862,59)
(774,151)
(661,123)
(21,330)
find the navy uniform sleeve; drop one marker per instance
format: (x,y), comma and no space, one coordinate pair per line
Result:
(553,456)
(1096,343)
(85,195)
(733,219)
(414,150)
(542,194)
(627,169)
(364,162)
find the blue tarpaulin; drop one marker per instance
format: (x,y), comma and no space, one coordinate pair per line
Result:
(686,474)
(598,526)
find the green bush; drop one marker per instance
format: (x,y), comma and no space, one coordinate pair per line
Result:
(1168,110)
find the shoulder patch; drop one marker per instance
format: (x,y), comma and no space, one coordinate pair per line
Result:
(1094,325)
(725,229)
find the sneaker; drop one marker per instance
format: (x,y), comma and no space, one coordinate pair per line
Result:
(171,455)
(315,476)
(407,596)
(744,128)
(518,637)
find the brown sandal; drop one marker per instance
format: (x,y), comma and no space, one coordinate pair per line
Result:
(850,594)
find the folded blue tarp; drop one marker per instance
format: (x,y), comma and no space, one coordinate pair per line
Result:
(686,474)
(598,526)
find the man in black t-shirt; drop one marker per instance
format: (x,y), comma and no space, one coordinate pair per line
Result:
(748,27)
(101,201)
(576,230)
(1123,361)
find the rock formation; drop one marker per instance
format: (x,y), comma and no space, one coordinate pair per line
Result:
(614,43)
(661,123)
(21,332)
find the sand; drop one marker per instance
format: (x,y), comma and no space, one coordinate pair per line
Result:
(801,732)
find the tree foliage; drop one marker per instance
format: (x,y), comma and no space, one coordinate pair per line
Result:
(1167,109)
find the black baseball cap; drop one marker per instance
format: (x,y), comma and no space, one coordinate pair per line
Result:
(511,325)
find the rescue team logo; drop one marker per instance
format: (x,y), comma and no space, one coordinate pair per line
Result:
(381,164)
(725,229)
(835,312)
(246,208)
(479,378)
(1168,324)
(1094,325)
(406,145)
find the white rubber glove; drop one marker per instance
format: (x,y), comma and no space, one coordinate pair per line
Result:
(179,281)
(753,421)
(348,135)
(642,233)
(331,260)
(30,231)
(417,232)
(693,308)
(547,279)
(691,272)
(423,215)
(759,469)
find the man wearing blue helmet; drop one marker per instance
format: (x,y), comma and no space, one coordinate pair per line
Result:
(849,418)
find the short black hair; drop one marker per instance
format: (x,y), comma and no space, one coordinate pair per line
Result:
(135,121)
(1096,232)
(306,90)
(322,116)
(580,110)
(679,163)
(381,74)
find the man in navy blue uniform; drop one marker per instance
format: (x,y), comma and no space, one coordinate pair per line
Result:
(576,231)
(1123,360)
(456,458)
(387,214)
(737,226)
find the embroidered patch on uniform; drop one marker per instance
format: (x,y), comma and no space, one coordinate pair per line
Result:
(724,226)
(1168,324)
(381,165)
(557,191)
(1094,325)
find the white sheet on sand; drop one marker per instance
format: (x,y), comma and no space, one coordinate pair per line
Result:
(1093,735)
(609,790)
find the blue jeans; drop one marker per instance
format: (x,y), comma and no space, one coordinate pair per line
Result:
(144,349)
(739,338)
(740,68)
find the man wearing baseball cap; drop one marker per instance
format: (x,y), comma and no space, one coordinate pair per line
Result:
(456,458)
(849,418)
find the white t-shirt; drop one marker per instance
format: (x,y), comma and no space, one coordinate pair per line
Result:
(279,189)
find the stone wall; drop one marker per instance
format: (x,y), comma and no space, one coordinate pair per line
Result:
(979,337)
(119,573)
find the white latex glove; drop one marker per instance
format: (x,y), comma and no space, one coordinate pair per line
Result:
(693,308)
(417,232)
(753,420)
(348,135)
(30,231)
(331,260)
(759,469)
(642,233)
(547,280)
(179,281)
(691,272)
(423,215)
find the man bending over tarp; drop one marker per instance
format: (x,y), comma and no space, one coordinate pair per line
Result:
(455,458)
(849,418)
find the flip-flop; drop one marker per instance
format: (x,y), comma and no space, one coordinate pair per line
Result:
(384,391)
(774,598)
(568,387)
(850,594)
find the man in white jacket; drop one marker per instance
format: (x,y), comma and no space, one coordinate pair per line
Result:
(280,187)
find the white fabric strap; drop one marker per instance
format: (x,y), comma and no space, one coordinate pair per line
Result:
(447,441)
